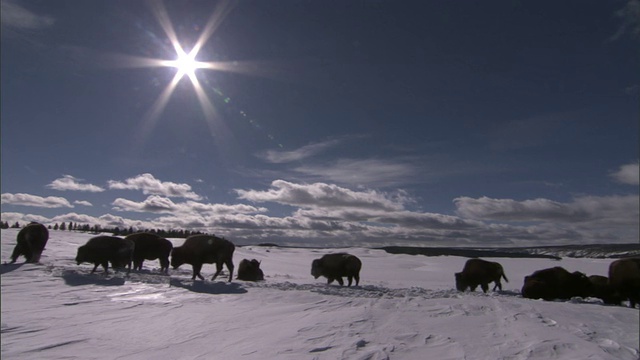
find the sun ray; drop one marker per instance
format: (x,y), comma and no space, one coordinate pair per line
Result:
(217,17)
(150,118)
(186,65)
(163,18)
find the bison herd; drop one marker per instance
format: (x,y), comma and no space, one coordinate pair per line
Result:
(622,283)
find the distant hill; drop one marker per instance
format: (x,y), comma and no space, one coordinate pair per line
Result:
(598,251)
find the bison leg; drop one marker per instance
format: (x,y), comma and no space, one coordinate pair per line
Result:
(230,267)
(349,278)
(27,251)
(35,257)
(196,271)
(105,265)
(330,280)
(634,298)
(218,270)
(137,264)
(485,287)
(339,279)
(95,267)
(356,277)
(497,285)
(17,251)
(164,265)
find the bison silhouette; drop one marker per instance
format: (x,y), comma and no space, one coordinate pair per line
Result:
(204,249)
(337,266)
(31,242)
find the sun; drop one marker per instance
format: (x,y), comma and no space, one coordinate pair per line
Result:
(186,64)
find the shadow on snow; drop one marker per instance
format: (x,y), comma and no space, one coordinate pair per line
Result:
(74,278)
(6,267)
(205,287)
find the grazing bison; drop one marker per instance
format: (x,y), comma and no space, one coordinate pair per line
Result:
(335,266)
(556,283)
(102,250)
(480,272)
(250,270)
(150,247)
(601,289)
(31,242)
(204,249)
(624,277)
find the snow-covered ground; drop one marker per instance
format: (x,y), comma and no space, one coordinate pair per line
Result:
(405,308)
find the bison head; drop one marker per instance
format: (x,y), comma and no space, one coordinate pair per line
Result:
(316,268)
(82,255)
(176,258)
(581,284)
(461,283)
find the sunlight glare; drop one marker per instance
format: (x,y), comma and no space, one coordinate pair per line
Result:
(186,64)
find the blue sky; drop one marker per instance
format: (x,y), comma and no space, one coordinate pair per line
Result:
(508,123)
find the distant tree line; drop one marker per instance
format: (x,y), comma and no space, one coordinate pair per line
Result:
(116,230)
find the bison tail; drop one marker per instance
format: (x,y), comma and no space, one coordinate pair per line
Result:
(505,277)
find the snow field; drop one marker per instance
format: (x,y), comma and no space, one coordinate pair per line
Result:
(406,307)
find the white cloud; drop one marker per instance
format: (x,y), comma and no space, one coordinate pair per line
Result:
(304,152)
(158,204)
(36,201)
(153,204)
(14,16)
(68,182)
(628,174)
(614,209)
(13,217)
(321,195)
(149,185)
(83,203)
(104,221)
(404,219)
(630,16)
(363,172)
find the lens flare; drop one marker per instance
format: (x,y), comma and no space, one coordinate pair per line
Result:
(186,65)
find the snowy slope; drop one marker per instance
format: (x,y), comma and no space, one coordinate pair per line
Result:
(405,308)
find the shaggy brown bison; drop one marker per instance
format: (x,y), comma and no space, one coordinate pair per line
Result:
(150,247)
(556,283)
(249,270)
(480,272)
(204,249)
(335,266)
(624,277)
(31,242)
(600,288)
(102,250)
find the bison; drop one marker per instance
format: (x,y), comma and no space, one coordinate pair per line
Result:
(249,270)
(600,288)
(204,249)
(335,266)
(624,277)
(556,283)
(31,242)
(102,250)
(480,272)
(150,247)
